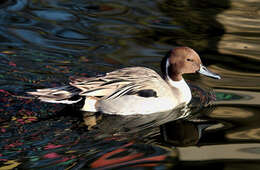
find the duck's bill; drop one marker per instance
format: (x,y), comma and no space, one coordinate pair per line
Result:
(203,70)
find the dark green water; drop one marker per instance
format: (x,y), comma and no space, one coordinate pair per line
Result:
(44,42)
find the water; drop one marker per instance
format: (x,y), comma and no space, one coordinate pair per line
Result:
(43,43)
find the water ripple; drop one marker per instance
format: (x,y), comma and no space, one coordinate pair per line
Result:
(54,15)
(44,42)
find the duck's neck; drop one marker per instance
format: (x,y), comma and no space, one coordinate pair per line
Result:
(174,77)
(177,82)
(171,73)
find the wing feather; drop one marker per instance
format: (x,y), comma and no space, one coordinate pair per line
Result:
(117,83)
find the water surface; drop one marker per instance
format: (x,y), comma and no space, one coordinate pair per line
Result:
(43,43)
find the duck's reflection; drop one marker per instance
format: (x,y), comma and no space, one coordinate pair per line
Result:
(184,132)
(158,128)
(131,124)
(91,120)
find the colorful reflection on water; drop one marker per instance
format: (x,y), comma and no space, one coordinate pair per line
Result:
(43,43)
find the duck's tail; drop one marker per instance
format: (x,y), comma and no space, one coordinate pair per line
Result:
(64,94)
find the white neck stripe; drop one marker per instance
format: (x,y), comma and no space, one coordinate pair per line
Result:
(167,66)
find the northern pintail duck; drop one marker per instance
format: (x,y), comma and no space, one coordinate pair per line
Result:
(133,90)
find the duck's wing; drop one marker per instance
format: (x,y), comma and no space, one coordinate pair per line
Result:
(117,83)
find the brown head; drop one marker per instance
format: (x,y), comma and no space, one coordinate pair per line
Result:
(182,60)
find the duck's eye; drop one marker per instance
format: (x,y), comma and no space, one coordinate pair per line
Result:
(188,59)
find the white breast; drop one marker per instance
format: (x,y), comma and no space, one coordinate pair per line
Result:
(183,88)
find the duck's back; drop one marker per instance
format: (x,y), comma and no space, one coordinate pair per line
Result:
(120,82)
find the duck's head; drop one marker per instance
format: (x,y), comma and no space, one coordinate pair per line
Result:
(183,60)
